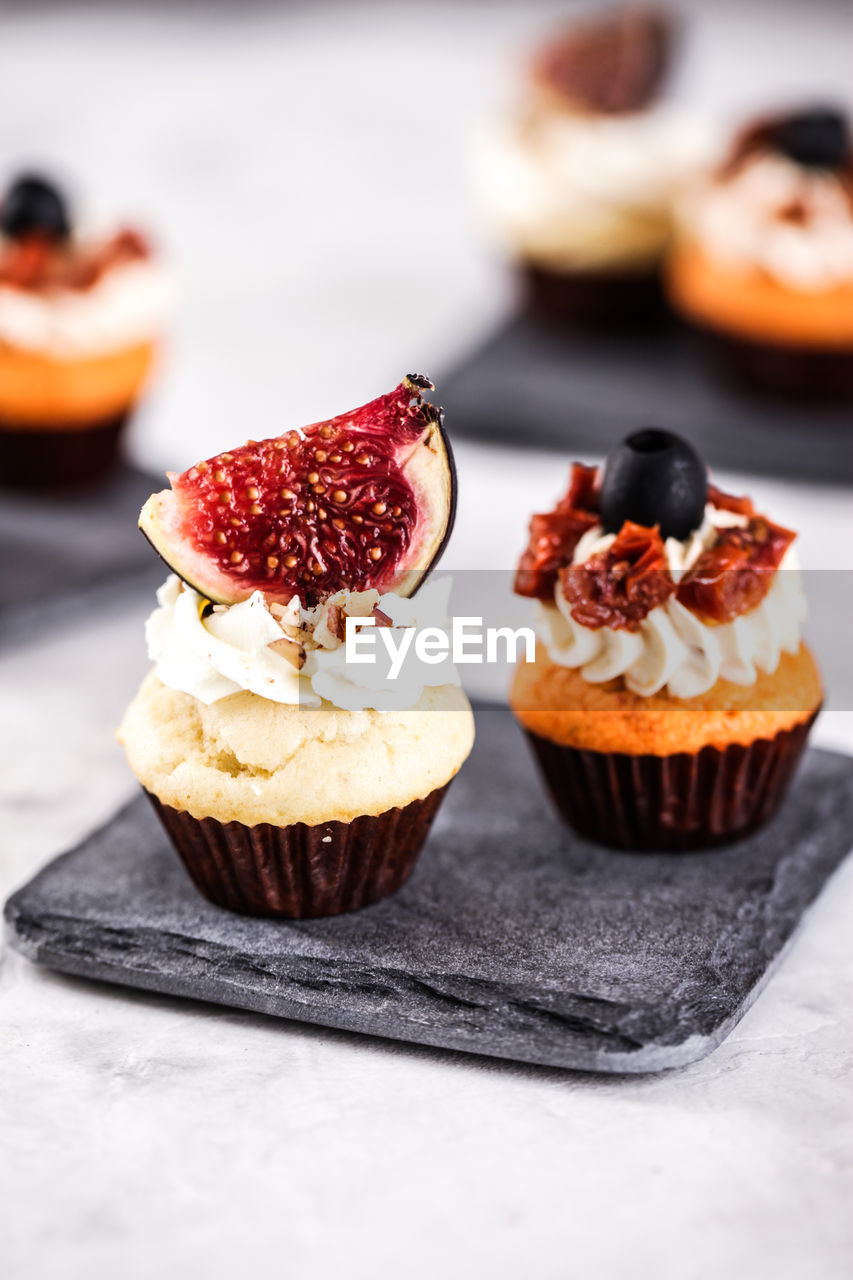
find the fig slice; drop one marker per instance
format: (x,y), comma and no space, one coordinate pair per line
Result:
(366,499)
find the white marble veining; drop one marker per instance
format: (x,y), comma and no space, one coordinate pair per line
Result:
(142,1136)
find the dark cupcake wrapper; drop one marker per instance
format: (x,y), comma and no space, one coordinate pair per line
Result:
(56,459)
(675,803)
(594,301)
(807,375)
(301,871)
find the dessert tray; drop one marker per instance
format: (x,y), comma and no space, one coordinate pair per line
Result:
(533,387)
(60,550)
(513,938)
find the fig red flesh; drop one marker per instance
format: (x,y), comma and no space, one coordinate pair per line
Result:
(611,64)
(361,500)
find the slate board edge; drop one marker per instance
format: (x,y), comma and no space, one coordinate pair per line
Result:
(20,935)
(32,939)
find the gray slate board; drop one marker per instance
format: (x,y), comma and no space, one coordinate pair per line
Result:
(513,938)
(58,552)
(531,387)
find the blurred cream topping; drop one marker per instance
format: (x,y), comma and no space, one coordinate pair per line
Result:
(672,648)
(793,223)
(128,305)
(570,191)
(289,654)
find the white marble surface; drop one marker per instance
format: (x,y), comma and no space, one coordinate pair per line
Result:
(143,1136)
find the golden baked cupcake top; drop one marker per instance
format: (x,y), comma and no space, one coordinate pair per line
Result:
(69,295)
(765,246)
(81,315)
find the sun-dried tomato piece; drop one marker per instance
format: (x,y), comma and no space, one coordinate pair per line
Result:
(619,587)
(555,534)
(87,268)
(553,538)
(728,502)
(35,262)
(584,491)
(23,262)
(734,575)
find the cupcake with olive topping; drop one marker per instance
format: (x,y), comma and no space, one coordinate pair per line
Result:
(292,779)
(80,322)
(763,262)
(672,694)
(576,181)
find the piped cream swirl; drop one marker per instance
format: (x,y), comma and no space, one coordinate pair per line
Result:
(290,655)
(672,648)
(570,191)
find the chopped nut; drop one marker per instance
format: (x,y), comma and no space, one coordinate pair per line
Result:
(336,621)
(291,650)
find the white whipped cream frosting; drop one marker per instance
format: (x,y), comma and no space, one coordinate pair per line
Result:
(672,648)
(127,305)
(211,654)
(582,192)
(736,221)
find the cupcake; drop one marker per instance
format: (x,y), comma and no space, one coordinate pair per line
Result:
(293,777)
(80,318)
(671,695)
(577,183)
(763,263)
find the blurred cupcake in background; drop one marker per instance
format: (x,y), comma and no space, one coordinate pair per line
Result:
(763,263)
(577,183)
(80,322)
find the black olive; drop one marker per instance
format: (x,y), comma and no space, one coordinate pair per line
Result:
(33,206)
(654,478)
(816,139)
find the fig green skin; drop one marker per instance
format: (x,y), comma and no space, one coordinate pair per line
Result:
(154,518)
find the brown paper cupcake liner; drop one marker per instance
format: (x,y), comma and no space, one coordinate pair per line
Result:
(56,459)
(806,375)
(301,871)
(671,803)
(589,301)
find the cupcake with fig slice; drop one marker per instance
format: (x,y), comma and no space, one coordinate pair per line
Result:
(672,694)
(292,781)
(80,321)
(763,263)
(577,180)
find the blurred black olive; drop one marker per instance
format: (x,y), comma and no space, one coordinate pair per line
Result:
(816,139)
(33,206)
